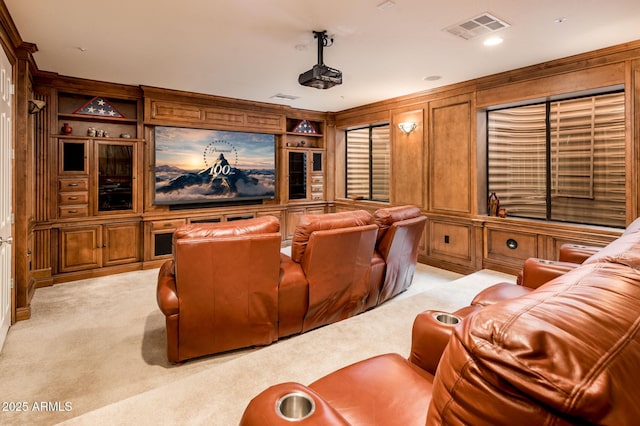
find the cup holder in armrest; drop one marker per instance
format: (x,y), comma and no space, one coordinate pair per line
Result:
(295,406)
(445,318)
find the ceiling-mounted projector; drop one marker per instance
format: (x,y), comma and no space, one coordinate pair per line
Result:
(321,76)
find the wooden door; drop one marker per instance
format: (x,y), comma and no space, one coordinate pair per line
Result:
(80,248)
(6,180)
(121,243)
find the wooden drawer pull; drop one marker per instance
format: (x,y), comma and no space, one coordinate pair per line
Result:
(73,211)
(72,184)
(73,198)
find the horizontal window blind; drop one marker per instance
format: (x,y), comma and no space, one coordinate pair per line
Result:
(584,179)
(358,163)
(517,159)
(380,163)
(368,159)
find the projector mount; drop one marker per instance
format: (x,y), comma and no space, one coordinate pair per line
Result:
(321,76)
(323,41)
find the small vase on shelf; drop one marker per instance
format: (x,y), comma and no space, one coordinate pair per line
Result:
(66,129)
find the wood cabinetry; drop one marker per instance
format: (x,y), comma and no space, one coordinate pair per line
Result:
(305,175)
(304,161)
(94,246)
(97,176)
(99,159)
(295,215)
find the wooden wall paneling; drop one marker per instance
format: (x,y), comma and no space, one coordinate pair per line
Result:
(407,160)
(41,160)
(543,87)
(331,160)
(506,249)
(633,141)
(448,240)
(148,174)
(41,270)
(170,107)
(22,175)
(450,243)
(451,159)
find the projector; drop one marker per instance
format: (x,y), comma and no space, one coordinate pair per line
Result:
(320,77)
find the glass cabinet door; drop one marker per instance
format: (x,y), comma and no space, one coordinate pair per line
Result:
(297,175)
(115,165)
(73,157)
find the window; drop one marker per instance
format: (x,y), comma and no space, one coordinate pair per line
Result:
(367,163)
(560,160)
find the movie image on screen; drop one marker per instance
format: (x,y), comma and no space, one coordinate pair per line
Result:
(202,166)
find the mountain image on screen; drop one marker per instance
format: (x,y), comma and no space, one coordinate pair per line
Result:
(213,181)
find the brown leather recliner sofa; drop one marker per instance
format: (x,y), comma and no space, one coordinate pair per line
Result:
(567,352)
(229,286)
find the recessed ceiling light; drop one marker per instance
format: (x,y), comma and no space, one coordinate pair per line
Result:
(282,96)
(432,78)
(560,20)
(493,41)
(386,5)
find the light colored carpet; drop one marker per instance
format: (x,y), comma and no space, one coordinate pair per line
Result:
(94,353)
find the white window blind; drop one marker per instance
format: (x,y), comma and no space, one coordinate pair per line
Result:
(368,158)
(560,161)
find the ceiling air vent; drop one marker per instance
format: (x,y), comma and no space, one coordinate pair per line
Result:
(478,26)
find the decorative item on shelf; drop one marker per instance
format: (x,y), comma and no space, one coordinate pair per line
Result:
(502,212)
(493,204)
(91,131)
(66,129)
(407,127)
(100,107)
(301,143)
(304,126)
(125,135)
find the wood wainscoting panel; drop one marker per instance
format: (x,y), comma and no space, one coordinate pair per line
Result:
(448,240)
(174,111)
(510,248)
(180,113)
(450,156)
(407,156)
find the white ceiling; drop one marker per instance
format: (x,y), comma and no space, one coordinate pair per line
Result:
(255,49)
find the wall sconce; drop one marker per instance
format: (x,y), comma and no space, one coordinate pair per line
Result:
(407,127)
(35,106)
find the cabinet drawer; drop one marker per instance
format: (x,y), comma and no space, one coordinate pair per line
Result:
(66,198)
(510,245)
(73,211)
(167,224)
(73,184)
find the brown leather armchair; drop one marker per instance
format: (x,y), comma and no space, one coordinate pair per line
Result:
(229,286)
(326,278)
(396,255)
(220,292)
(565,353)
